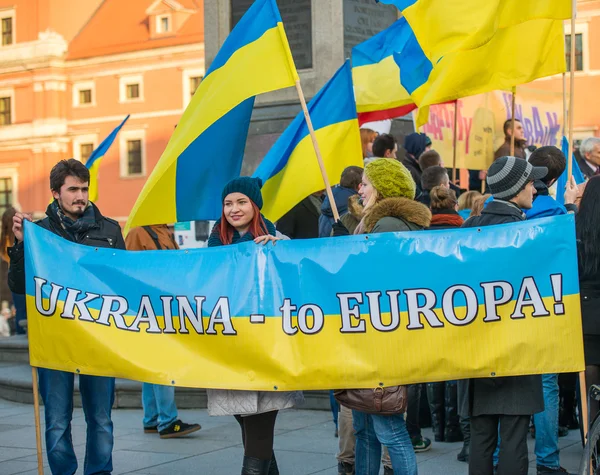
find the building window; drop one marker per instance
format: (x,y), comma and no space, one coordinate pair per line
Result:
(192,78)
(131,88)
(5,111)
(194,83)
(6,193)
(133,91)
(578,51)
(85,96)
(7,31)
(85,150)
(134,157)
(163,24)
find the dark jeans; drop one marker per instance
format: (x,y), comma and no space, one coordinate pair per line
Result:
(412,413)
(21,312)
(513,459)
(97,397)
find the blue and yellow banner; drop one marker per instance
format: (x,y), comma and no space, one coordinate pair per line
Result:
(355,311)
(207,147)
(290,172)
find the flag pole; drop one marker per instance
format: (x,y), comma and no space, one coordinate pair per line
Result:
(309,125)
(455,145)
(38,427)
(512,123)
(572,94)
(565,111)
(313,136)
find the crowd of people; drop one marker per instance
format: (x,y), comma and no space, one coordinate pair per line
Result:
(413,193)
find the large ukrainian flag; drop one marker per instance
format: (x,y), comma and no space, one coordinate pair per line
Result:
(93,162)
(290,171)
(376,76)
(469,47)
(443,26)
(207,147)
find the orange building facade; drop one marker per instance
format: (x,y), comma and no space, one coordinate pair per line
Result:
(71,70)
(587,69)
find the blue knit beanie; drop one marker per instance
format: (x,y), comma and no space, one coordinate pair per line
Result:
(245,185)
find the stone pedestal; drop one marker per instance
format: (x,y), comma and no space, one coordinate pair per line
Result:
(321,34)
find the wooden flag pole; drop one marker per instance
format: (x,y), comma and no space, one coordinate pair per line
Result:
(572,93)
(454,144)
(565,105)
(512,123)
(313,136)
(584,405)
(38,426)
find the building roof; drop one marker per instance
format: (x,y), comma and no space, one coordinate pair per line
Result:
(123,26)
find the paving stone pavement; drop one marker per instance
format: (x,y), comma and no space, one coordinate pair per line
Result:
(304,445)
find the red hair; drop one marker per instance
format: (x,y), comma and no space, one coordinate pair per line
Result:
(257,226)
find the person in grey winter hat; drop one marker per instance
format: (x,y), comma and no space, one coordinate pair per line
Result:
(509,177)
(502,404)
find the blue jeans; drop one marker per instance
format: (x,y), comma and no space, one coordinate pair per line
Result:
(97,397)
(371,432)
(159,405)
(546,425)
(21,312)
(335,408)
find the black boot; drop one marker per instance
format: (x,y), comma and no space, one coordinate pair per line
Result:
(273,469)
(465,425)
(254,466)
(435,396)
(452,432)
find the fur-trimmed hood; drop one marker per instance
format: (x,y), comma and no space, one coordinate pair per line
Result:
(402,208)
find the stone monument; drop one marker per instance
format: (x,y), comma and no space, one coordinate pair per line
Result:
(321,34)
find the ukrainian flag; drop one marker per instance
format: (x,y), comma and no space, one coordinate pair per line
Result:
(453,59)
(290,171)
(379,92)
(443,26)
(93,162)
(207,146)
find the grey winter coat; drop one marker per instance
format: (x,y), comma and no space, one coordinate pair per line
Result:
(226,402)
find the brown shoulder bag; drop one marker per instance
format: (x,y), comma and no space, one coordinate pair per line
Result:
(382,401)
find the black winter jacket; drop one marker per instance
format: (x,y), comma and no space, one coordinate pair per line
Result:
(106,233)
(512,395)
(496,212)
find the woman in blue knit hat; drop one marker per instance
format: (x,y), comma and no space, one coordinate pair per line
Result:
(255,411)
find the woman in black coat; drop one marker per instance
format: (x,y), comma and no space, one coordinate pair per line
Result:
(588,248)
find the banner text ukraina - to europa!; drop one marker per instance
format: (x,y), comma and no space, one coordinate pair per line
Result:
(350,312)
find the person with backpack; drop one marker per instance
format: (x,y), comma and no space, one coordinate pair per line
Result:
(158,401)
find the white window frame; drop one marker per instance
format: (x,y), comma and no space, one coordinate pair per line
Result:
(11,170)
(79,140)
(80,86)
(187,74)
(125,81)
(582,28)
(124,137)
(9,93)
(9,13)
(159,19)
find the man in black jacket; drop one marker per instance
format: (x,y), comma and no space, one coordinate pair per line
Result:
(76,219)
(504,404)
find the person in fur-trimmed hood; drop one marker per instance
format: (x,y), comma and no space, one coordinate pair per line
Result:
(387,192)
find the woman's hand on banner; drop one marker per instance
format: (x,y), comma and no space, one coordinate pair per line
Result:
(18,224)
(266,239)
(339,229)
